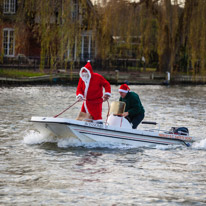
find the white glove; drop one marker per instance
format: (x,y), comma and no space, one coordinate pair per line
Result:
(80,98)
(106,97)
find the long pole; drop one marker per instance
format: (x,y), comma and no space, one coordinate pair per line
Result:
(108,110)
(66,109)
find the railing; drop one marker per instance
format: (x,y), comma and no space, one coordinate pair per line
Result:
(22,62)
(122,65)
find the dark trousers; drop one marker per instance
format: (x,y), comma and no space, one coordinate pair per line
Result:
(136,120)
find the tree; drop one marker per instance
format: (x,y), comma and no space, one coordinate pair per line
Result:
(56,24)
(195,34)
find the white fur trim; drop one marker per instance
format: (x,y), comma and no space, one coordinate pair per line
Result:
(86,83)
(86,86)
(98,120)
(80,73)
(107,93)
(122,90)
(80,95)
(85,107)
(88,60)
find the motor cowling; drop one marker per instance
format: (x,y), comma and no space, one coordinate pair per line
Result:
(179,131)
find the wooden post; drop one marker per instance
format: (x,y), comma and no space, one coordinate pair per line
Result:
(117,76)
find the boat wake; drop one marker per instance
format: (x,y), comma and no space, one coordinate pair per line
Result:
(34,137)
(167,147)
(201,145)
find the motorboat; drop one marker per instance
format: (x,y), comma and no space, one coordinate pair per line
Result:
(116,129)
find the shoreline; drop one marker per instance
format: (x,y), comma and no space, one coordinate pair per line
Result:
(113,78)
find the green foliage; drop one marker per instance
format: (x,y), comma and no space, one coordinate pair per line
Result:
(55,25)
(169,34)
(166,33)
(15,73)
(142,69)
(196,36)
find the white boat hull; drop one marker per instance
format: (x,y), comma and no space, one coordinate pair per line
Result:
(93,132)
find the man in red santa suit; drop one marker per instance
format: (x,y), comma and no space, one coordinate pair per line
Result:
(90,89)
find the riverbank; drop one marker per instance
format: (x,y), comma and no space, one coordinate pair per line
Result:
(114,77)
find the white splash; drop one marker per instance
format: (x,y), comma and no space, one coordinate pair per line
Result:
(200,145)
(68,142)
(162,147)
(34,137)
(167,147)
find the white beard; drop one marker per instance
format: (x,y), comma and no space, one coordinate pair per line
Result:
(85,77)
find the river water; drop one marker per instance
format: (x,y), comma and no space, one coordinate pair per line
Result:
(36,171)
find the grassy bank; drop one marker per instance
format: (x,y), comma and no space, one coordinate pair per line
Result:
(150,77)
(141,69)
(14,73)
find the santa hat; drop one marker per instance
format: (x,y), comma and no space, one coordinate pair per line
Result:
(86,68)
(124,88)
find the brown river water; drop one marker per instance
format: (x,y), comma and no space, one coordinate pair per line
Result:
(38,171)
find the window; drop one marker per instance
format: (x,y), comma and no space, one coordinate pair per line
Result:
(72,51)
(87,47)
(75,9)
(9,6)
(8,42)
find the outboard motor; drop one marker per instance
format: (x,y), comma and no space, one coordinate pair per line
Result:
(179,131)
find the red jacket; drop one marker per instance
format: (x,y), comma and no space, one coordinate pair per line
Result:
(91,90)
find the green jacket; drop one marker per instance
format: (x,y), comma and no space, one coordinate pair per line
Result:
(133,104)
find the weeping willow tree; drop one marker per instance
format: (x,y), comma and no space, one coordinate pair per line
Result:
(160,31)
(56,25)
(166,31)
(1,23)
(181,34)
(172,31)
(104,31)
(148,31)
(195,35)
(133,26)
(168,34)
(117,26)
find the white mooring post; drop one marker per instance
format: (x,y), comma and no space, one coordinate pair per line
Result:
(168,77)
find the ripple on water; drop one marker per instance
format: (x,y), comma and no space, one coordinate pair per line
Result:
(39,169)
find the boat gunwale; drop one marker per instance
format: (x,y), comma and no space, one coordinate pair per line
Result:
(113,130)
(152,141)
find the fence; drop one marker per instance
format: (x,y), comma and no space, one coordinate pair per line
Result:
(23,62)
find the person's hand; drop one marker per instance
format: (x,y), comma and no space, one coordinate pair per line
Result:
(79,98)
(105,97)
(125,114)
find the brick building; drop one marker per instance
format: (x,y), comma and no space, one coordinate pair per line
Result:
(20,40)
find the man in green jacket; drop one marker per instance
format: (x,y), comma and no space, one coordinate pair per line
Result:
(134,111)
